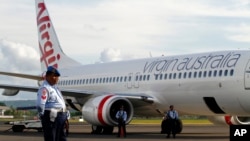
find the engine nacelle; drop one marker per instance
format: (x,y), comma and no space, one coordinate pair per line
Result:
(10,92)
(101,110)
(230,120)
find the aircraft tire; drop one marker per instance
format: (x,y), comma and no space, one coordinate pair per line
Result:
(18,128)
(96,129)
(178,126)
(108,129)
(164,125)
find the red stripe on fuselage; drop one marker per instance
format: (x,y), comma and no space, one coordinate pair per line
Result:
(100,109)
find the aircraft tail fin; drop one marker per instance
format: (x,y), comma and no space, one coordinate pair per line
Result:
(49,46)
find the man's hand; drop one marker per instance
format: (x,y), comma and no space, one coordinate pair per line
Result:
(40,116)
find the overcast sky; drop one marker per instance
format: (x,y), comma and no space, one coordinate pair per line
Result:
(93,31)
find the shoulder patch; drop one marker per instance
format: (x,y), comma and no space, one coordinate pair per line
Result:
(44,94)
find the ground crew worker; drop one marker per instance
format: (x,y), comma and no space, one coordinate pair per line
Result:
(171,117)
(121,116)
(51,107)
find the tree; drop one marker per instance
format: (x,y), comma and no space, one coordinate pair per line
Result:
(2,104)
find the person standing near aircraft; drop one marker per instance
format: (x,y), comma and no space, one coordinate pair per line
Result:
(121,116)
(51,107)
(171,117)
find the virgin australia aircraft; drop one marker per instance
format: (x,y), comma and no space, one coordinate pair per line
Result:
(213,84)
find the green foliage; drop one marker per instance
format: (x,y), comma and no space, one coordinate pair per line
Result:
(21,113)
(76,113)
(2,104)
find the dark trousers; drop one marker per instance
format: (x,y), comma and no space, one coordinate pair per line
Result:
(54,131)
(171,127)
(121,129)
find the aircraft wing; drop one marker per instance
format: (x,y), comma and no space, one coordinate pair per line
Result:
(28,76)
(134,98)
(78,93)
(17,88)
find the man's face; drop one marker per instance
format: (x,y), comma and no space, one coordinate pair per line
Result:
(52,79)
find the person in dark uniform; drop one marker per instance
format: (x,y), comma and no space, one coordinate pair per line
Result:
(51,107)
(121,116)
(171,117)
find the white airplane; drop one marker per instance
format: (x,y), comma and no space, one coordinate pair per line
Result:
(213,84)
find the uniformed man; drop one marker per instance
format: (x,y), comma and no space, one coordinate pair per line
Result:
(171,117)
(51,107)
(121,116)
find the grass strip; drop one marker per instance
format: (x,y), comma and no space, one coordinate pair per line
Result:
(158,121)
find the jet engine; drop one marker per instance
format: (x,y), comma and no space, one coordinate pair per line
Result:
(10,92)
(230,120)
(100,112)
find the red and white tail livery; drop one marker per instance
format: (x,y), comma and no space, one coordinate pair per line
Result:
(50,49)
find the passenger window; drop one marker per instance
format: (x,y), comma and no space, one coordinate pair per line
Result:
(210,73)
(220,73)
(190,74)
(200,74)
(215,73)
(129,78)
(231,72)
(160,76)
(165,76)
(174,76)
(170,76)
(185,75)
(156,76)
(140,77)
(180,75)
(195,74)
(225,72)
(148,77)
(205,74)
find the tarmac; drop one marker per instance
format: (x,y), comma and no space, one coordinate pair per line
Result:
(135,132)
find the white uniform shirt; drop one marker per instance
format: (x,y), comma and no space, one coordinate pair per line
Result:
(172,114)
(121,114)
(49,97)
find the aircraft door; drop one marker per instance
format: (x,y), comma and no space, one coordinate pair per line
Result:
(247,76)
